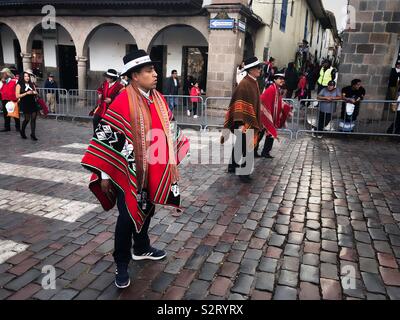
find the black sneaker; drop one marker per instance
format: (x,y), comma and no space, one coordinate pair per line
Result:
(122,279)
(152,254)
(268,156)
(231,169)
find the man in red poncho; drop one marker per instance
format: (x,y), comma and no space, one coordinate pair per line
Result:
(107,92)
(134,156)
(273,114)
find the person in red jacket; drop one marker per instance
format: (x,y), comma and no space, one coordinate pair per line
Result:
(195,93)
(273,115)
(7,93)
(302,88)
(107,92)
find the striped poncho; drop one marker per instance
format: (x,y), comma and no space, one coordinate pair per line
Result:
(244,108)
(124,144)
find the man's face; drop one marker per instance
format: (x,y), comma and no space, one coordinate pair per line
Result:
(280,82)
(398,66)
(175,75)
(255,72)
(357,86)
(331,87)
(146,78)
(109,80)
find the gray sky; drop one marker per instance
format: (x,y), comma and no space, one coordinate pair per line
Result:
(338,7)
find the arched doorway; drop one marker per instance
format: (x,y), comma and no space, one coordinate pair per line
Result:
(182,48)
(53,51)
(10,49)
(105,46)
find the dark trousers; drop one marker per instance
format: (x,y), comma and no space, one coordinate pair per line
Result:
(323,120)
(240,149)
(269,142)
(395,126)
(289,93)
(194,108)
(7,120)
(125,231)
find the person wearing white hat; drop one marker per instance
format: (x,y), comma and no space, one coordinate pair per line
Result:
(242,119)
(7,93)
(134,156)
(274,113)
(107,92)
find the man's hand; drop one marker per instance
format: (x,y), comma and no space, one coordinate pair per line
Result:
(107,100)
(106,187)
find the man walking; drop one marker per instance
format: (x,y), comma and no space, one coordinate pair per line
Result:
(107,92)
(242,119)
(126,170)
(172,89)
(274,113)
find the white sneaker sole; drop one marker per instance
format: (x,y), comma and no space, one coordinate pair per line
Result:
(138,258)
(123,287)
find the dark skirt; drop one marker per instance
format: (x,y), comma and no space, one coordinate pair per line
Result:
(28,104)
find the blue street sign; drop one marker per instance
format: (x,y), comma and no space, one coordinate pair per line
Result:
(222,23)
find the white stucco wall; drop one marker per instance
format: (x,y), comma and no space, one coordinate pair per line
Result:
(175,38)
(283,45)
(7,37)
(107,47)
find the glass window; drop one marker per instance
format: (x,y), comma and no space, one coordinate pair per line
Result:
(283,15)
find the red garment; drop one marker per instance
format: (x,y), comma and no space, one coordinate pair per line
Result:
(111,151)
(7,91)
(274,111)
(195,92)
(107,92)
(302,83)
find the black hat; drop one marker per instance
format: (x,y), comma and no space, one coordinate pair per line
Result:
(279,75)
(135,60)
(251,63)
(332,83)
(111,73)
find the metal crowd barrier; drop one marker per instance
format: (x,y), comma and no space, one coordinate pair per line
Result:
(56,100)
(183,109)
(216,108)
(81,102)
(375,118)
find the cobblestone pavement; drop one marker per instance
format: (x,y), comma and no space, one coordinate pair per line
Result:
(320,221)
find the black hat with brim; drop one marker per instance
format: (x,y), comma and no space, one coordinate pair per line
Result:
(135,60)
(252,62)
(111,73)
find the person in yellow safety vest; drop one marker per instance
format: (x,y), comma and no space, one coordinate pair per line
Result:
(326,74)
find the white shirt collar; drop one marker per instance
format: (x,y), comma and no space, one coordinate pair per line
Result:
(255,79)
(397,70)
(110,84)
(145,94)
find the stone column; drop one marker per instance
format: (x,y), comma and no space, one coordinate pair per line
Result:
(225,52)
(26,60)
(82,73)
(370,45)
